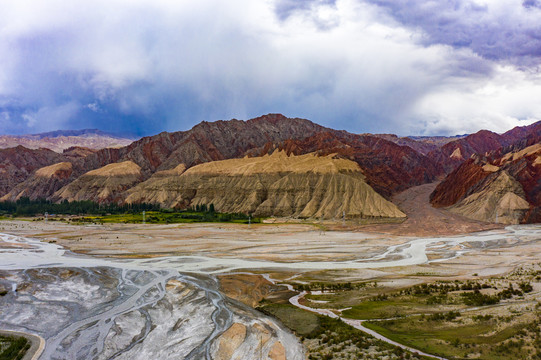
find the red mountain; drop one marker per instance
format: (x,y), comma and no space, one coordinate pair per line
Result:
(503,186)
(17,163)
(388,167)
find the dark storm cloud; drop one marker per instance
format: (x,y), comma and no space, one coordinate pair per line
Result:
(145,66)
(505,31)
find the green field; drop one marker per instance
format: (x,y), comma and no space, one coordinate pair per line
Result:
(326,338)
(13,348)
(389,308)
(459,338)
(164,217)
(493,319)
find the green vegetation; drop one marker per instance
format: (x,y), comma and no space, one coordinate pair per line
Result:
(303,323)
(88,211)
(320,286)
(26,207)
(169,217)
(326,338)
(393,307)
(13,348)
(480,318)
(451,336)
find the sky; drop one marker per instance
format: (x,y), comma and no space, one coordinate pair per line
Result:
(139,67)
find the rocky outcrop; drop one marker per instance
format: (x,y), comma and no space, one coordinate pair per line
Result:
(43,183)
(102,185)
(389,168)
(207,141)
(483,142)
(456,185)
(305,186)
(230,341)
(454,153)
(18,163)
(497,188)
(499,198)
(164,187)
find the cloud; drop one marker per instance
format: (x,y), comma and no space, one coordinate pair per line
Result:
(505,100)
(147,66)
(506,30)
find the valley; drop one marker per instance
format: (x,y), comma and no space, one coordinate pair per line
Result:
(187,259)
(275,238)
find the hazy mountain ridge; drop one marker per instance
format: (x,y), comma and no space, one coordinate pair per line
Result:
(61,140)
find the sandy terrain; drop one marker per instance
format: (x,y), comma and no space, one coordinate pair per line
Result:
(425,220)
(284,243)
(266,242)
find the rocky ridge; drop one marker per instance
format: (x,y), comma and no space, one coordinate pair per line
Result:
(103,185)
(237,158)
(43,183)
(305,186)
(389,168)
(503,188)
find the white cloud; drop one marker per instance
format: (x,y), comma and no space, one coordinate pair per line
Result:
(174,63)
(507,99)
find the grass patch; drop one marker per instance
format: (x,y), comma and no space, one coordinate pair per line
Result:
(13,348)
(303,323)
(326,338)
(455,340)
(393,307)
(162,217)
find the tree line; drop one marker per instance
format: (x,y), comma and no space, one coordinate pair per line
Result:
(26,207)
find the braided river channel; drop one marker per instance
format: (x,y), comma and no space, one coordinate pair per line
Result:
(171,307)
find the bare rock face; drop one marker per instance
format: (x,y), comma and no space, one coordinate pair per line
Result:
(102,185)
(230,341)
(303,186)
(483,142)
(207,141)
(43,183)
(500,199)
(457,184)
(16,165)
(277,352)
(503,188)
(389,168)
(164,187)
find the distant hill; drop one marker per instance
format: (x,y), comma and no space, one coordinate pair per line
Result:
(81,133)
(61,140)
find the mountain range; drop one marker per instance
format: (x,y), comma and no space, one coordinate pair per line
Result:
(61,140)
(278,166)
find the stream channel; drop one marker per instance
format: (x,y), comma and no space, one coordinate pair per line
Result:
(171,307)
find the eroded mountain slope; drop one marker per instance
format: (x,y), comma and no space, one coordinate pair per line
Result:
(272,185)
(496,188)
(102,185)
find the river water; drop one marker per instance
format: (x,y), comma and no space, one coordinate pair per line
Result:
(98,308)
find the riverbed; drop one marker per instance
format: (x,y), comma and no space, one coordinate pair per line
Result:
(171,306)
